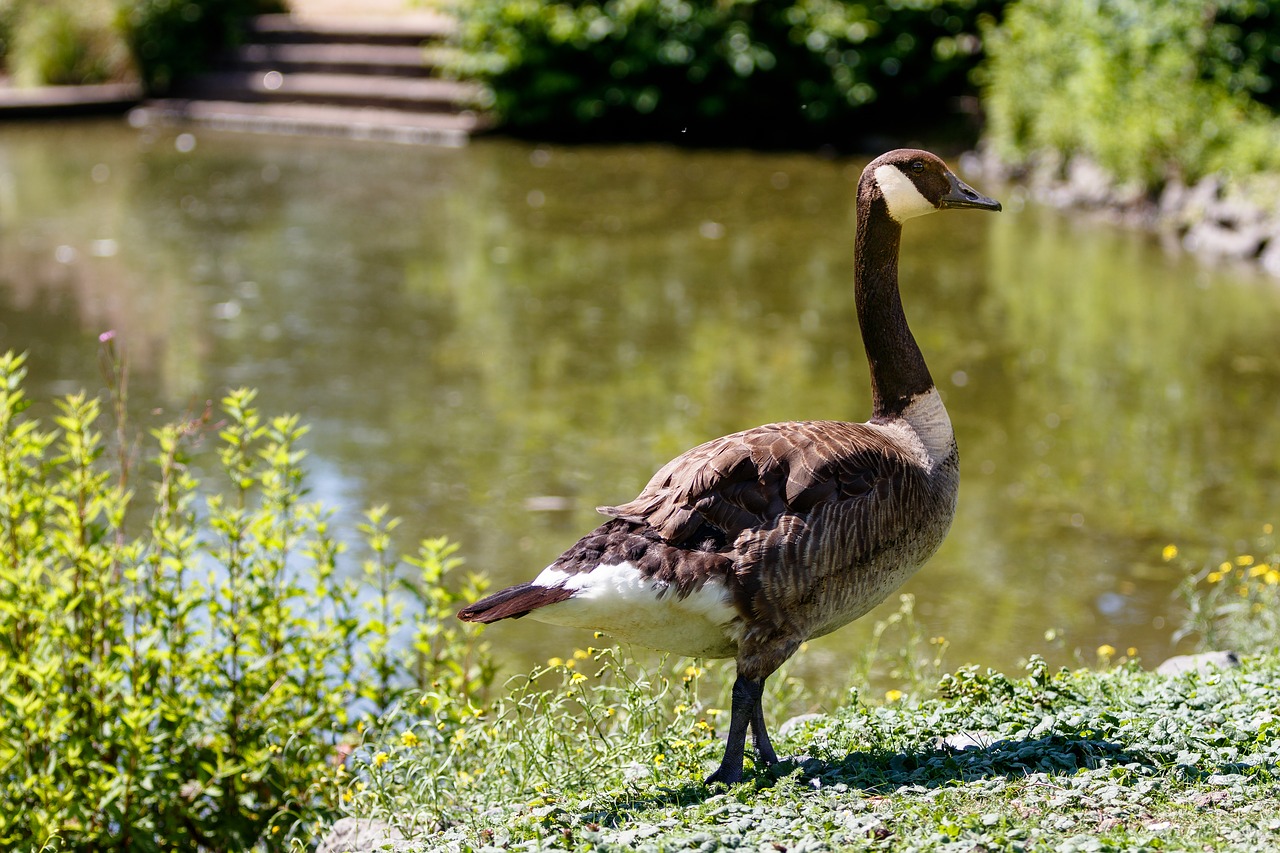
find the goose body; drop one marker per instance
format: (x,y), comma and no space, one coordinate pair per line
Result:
(750,544)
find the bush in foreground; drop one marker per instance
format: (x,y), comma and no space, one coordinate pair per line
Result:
(179,671)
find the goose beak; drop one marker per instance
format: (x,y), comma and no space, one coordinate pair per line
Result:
(962,195)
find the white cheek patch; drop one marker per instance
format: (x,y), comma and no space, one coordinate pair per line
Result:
(900,194)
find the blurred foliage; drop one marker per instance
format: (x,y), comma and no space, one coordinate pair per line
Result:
(175,38)
(8,17)
(1148,90)
(56,42)
(755,72)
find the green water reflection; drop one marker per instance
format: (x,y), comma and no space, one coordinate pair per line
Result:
(471,332)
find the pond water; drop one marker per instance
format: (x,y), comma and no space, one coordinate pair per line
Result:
(497,339)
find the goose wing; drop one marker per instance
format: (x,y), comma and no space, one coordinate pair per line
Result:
(793,503)
(748,480)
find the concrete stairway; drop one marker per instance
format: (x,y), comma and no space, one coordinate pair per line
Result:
(366,78)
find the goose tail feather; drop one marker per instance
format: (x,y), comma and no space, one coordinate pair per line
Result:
(513,602)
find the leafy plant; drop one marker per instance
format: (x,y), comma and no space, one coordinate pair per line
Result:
(740,71)
(1235,602)
(172,39)
(180,671)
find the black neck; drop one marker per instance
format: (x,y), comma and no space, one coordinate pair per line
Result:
(898,371)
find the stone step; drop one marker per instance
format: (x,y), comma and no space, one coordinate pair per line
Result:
(415,94)
(359,77)
(46,101)
(322,58)
(411,30)
(448,129)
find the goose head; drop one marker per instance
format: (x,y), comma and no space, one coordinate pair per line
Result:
(914,182)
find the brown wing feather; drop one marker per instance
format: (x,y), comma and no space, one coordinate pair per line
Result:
(748,479)
(801,506)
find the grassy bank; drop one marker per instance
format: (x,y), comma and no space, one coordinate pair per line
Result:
(187,660)
(1119,759)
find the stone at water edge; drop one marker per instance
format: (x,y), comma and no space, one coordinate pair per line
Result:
(1206,662)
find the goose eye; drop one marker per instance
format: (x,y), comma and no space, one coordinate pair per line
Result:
(917,166)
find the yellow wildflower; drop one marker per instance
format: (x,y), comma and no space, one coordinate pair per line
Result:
(554,662)
(892,695)
(1214,577)
(409,739)
(1106,650)
(681,708)
(692,672)
(380,759)
(1259,570)
(580,654)
(1267,529)
(1244,560)
(599,635)
(1225,566)
(577,678)
(570,664)
(1169,552)
(659,758)
(1131,652)
(1273,577)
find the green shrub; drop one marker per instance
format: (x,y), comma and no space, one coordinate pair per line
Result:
(738,71)
(179,672)
(62,42)
(1147,90)
(172,39)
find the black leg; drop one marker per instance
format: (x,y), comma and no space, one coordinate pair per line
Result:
(745,713)
(764,749)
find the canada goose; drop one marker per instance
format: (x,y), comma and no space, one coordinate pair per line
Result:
(750,544)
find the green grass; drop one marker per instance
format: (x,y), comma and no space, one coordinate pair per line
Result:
(183,665)
(1120,759)
(595,752)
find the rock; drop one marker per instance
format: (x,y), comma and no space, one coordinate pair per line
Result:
(796,722)
(960,741)
(1270,257)
(1198,199)
(1087,183)
(1207,662)
(355,835)
(1212,237)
